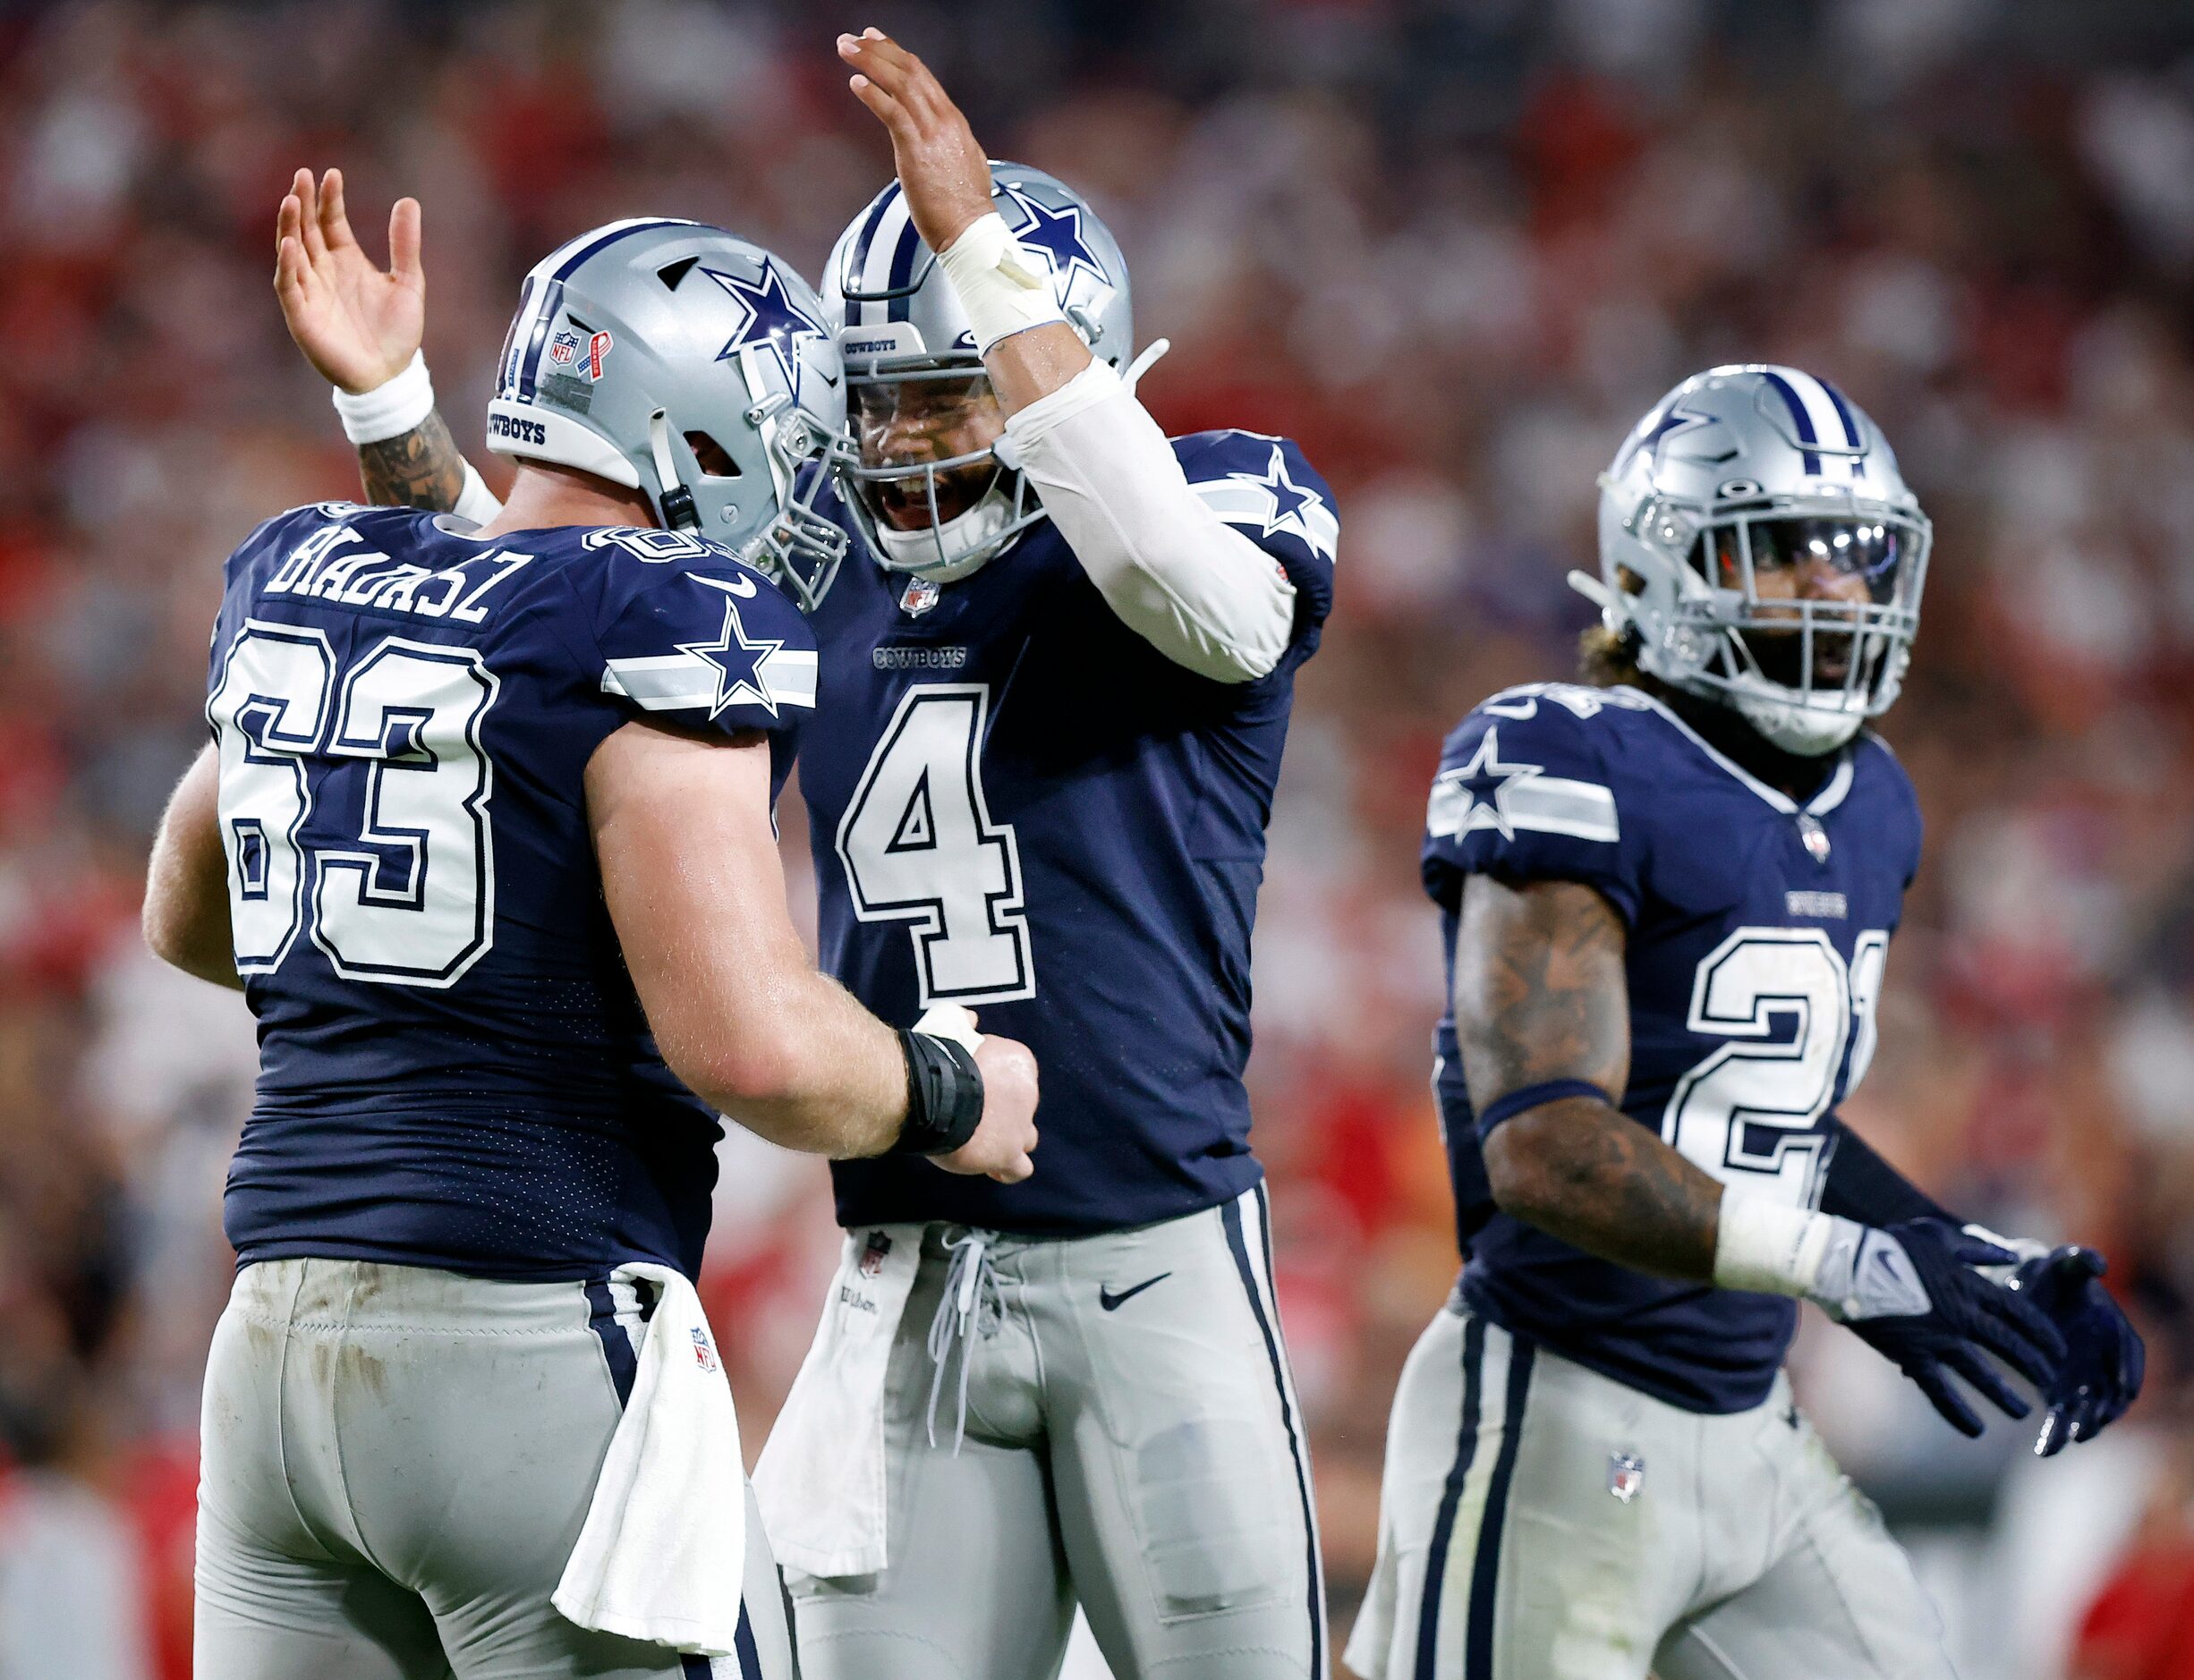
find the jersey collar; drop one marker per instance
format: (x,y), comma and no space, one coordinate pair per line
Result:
(1832,790)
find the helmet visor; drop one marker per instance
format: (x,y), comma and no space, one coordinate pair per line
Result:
(1828,559)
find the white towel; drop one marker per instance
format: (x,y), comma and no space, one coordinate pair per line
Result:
(822,1476)
(663,1552)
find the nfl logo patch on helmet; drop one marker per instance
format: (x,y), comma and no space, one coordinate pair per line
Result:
(564,347)
(1626,1474)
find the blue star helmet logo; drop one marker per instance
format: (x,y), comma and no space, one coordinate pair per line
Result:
(1059,236)
(774,321)
(1673,422)
(737,658)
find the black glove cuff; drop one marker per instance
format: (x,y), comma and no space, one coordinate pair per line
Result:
(944,1096)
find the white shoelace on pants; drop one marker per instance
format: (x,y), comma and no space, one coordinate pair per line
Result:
(956,1319)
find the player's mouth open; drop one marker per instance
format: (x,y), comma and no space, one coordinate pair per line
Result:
(1779,655)
(905,503)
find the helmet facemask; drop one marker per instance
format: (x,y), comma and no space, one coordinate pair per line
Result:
(925,480)
(1800,616)
(801,550)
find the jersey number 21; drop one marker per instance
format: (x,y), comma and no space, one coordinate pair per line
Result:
(1749,1110)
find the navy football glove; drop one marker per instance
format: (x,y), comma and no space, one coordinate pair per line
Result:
(2101,1372)
(1914,1296)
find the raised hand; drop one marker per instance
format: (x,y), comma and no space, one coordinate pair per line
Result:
(358,326)
(940,166)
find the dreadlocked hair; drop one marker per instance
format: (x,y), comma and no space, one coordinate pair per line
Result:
(1608,659)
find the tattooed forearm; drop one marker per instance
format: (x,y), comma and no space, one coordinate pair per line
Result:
(420,467)
(1540,994)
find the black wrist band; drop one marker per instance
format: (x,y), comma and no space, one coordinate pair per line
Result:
(944,1096)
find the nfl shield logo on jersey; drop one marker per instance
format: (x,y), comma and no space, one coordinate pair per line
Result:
(919,596)
(563,347)
(1626,1474)
(1813,835)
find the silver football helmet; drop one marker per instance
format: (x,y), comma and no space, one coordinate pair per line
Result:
(928,505)
(1758,548)
(687,363)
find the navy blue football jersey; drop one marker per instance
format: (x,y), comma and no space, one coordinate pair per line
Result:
(1756,932)
(454,1069)
(1020,805)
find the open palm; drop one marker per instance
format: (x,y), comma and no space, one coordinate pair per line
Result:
(358,326)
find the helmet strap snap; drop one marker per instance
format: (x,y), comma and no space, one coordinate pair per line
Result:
(678,511)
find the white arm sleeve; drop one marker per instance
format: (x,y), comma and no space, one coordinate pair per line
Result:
(1181,578)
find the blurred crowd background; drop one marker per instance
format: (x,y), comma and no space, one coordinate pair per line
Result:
(1456,247)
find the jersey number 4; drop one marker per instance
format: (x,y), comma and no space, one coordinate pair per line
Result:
(410,900)
(1750,1111)
(918,846)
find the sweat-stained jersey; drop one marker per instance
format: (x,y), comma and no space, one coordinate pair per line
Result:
(1020,805)
(455,1072)
(1756,933)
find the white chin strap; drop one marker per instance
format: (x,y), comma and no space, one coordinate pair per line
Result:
(1808,731)
(961,538)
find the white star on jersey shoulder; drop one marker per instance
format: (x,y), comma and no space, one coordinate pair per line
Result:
(735,669)
(1488,792)
(1271,502)
(1475,791)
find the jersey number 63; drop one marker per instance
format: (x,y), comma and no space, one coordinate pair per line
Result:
(410,899)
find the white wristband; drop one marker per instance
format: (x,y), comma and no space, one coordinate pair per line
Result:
(1003,289)
(1769,1248)
(389,410)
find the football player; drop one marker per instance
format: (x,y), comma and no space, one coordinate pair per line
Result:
(484,835)
(1055,683)
(1667,897)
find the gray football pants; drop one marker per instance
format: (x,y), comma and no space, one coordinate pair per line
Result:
(396,1465)
(1144,1458)
(1507,1549)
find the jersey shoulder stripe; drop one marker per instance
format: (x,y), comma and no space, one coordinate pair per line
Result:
(1264,485)
(685,629)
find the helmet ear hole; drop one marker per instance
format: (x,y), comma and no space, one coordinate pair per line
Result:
(714,458)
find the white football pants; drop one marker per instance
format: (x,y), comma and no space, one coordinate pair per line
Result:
(1144,1458)
(1539,1521)
(397,1464)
